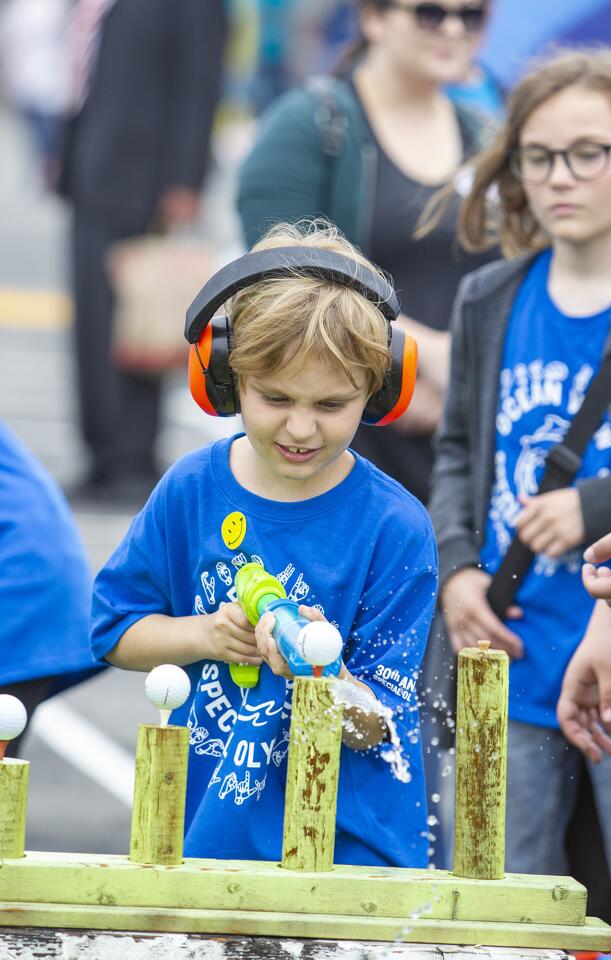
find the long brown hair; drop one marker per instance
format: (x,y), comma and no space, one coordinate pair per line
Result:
(357,48)
(507,219)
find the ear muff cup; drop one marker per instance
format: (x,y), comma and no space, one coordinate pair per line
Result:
(211,380)
(398,388)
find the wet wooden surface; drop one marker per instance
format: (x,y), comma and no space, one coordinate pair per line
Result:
(31,944)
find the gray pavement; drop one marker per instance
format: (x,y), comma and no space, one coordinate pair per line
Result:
(81,745)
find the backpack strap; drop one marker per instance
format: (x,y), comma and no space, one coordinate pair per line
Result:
(561,467)
(329,116)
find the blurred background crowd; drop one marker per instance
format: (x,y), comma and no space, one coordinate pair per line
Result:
(129,119)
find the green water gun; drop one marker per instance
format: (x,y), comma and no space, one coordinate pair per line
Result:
(310,647)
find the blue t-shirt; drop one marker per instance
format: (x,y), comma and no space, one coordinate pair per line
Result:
(365,555)
(548,362)
(45,593)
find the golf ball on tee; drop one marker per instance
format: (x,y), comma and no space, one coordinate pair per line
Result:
(167,686)
(13,717)
(319,643)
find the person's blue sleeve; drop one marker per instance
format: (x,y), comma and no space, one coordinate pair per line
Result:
(135,581)
(389,636)
(46,584)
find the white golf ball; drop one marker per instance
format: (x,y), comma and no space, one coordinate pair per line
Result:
(319,643)
(13,717)
(167,686)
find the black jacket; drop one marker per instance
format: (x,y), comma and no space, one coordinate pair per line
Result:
(145,124)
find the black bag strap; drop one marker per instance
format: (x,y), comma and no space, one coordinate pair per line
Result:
(562,464)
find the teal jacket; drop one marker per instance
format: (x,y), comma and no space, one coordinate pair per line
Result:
(315,156)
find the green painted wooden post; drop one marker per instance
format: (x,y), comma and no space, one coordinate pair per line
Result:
(13,800)
(158,814)
(481,763)
(312,775)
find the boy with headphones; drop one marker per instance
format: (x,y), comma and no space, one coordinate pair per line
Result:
(307,351)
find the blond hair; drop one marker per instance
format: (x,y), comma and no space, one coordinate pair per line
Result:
(510,222)
(278,321)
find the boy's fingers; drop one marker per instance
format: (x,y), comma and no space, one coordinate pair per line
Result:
(274,659)
(237,616)
(241,635)
(245,657)
(265,626)
(310,613)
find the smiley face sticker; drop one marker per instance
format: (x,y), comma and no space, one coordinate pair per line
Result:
(233,529)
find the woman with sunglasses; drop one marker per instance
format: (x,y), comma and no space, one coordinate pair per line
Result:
(528,338)
(368,150)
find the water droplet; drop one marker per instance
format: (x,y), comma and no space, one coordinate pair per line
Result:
(435,798)
(432,820)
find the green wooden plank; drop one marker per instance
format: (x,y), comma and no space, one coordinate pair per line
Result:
(594,935)
(84,879)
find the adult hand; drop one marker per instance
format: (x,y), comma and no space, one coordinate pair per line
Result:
(584,707)
(229,636)
(597,580)
(267,645)
(551,523)
(178,206)
(470,618)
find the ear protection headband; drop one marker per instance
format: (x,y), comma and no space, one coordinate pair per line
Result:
(211,379)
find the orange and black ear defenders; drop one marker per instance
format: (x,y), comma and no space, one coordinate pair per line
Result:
(211,380)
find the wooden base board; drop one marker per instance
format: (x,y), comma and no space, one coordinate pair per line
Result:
(262,898)
(593,935)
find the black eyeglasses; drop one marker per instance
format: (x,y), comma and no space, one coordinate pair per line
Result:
(430,16)
(585,160)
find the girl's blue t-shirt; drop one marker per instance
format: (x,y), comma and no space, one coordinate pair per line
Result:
(548,362)
(45,596)
(364,554)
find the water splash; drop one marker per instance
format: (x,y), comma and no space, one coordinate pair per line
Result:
(351,695)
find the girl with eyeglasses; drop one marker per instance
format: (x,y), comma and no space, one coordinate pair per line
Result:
(368,149)
(529,334)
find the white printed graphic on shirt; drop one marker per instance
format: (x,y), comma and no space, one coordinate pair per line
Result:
(220,730)
(400,684)
(286,574)
(224,573)
(208,583)
(242,788)
(522,389)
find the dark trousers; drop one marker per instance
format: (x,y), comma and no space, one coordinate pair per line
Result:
(31,693)
(119,410)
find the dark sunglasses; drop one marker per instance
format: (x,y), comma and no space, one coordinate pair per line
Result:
(430,16)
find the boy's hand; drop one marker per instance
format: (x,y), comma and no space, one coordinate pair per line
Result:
(230,637)
(551,523)
(267,645)
(469,617)
(597,580)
